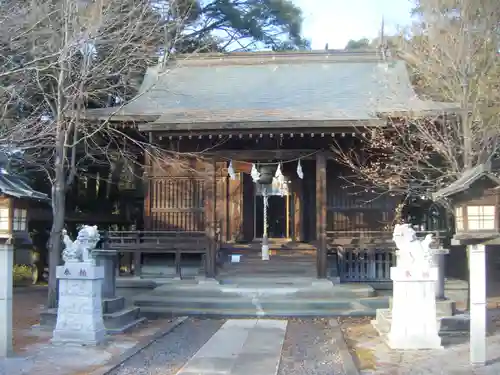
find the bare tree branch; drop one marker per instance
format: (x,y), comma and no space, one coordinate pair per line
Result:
(452,54)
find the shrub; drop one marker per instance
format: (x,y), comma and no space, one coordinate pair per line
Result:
(22,274)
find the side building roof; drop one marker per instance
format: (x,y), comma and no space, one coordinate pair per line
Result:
(257,89)
(13,186)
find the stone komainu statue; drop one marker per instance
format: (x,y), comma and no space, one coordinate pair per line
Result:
(412,252)
(80,250)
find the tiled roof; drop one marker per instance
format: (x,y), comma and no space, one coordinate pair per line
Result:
(277,87)
(466,180)
(13,186)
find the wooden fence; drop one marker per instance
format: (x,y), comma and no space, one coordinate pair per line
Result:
(365,265)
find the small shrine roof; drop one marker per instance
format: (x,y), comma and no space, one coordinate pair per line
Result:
(14,186)
(246,89)
(466,180)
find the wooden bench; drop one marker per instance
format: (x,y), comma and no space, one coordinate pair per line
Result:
(162,242)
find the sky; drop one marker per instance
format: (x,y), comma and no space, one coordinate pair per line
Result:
(337,21)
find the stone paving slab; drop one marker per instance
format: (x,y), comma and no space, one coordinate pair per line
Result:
(240,347)
(45,358)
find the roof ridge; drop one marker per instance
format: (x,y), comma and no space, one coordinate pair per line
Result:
(281,53)
(252,58)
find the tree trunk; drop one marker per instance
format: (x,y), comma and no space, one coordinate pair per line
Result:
(58,214)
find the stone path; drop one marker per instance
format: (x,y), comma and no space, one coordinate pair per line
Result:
(240,347)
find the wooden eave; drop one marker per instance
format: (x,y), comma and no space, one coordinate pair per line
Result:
(306,126)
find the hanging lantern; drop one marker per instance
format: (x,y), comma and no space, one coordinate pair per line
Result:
(266,174)
(230,171)
(300,173)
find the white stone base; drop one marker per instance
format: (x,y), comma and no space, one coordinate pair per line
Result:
(265,252)
(79,315)
(6,264)
(6,328)
(414,324)
(416,342)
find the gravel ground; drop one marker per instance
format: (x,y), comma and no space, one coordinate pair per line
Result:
(28,302)
(309,350)
(167,355)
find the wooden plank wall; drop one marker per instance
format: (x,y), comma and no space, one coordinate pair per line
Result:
(355,211)
(175,197)
(177,203)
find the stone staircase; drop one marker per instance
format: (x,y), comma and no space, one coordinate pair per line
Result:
(284,286)
(117,316)
(282,263)
(284,299)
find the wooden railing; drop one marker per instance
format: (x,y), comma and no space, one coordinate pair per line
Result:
(155,241)
(368,258)
(166,242)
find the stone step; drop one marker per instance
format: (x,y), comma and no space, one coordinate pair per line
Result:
(135,283)
(257,270)
(266,303)
(116,322)
(155,311)
(278,306)
(237,290)
(450,325)
(282,258)
(374,303)
(280,262)
(123,320)
(245,263)
(269,280)
(111,305)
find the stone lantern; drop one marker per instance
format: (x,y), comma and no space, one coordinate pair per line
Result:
(15,197)
(474,199)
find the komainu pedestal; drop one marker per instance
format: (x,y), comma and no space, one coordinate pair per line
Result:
(79,315)
(414,324)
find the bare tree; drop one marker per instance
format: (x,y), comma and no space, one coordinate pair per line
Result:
(453,57)
(59,58)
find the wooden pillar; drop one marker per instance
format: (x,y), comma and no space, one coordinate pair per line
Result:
(147,174)
(211,218)
(235,198)
(248,208)
(297,195)
(321,252)
(137,259)
(221,205)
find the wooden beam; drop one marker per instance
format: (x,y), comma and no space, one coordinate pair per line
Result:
(254,155)
(321,252)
